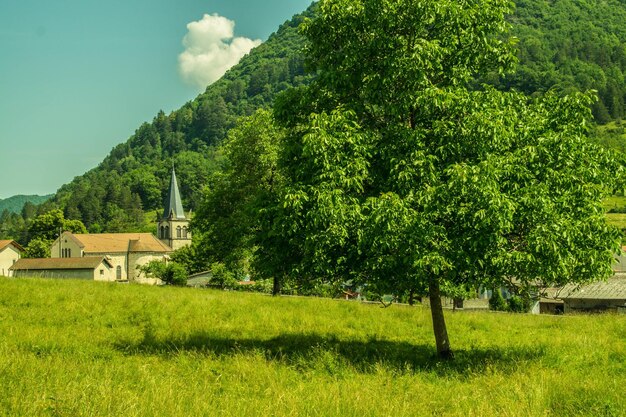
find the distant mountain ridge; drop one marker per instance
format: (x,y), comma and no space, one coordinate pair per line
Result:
(15,203)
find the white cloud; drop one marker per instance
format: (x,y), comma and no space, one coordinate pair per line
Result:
(211,49)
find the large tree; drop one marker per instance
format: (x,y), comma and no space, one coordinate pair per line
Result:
(231,219)
(45,228)
(401,177)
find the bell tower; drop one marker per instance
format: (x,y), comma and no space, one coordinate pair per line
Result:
(173,227)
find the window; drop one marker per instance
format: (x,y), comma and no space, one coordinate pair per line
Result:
(178,232)
(185,232)
(167,232)
(118,272)
(162,233)
(102,272)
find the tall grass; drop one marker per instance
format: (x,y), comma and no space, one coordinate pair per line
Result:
(77,348)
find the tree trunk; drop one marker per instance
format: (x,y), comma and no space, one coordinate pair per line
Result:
(276,287)
(439,322)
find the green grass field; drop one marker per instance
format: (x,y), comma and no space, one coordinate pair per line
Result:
(616,203)
(617,219)
(78,348)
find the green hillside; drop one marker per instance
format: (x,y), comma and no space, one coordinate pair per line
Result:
(134,176)
(572,45)
(15,203)
(79,348)
(564,44)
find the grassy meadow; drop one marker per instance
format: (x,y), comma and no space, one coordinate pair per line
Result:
(79,348)
(616,203)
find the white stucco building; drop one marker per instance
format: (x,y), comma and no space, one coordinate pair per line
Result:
(125,252)
(10,253)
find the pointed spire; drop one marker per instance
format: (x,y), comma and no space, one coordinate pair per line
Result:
(173,204)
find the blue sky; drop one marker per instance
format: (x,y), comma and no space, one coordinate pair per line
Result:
(77,77)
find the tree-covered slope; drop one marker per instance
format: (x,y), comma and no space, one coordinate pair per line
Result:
(564,44)
(133,177)
(16,203)
(572,45)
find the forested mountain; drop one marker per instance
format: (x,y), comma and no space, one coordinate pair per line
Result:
(133,177)
(564,44)
(15,203)
(572,45)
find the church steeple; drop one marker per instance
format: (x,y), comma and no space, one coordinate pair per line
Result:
(173,228)
(173,207)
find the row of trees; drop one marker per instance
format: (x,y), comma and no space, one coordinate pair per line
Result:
(38,228)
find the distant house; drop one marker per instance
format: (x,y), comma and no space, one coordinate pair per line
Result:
(200,279)
(10,253)
(92,268)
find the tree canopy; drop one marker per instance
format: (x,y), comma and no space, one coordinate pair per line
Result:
(45,228)
(402,176)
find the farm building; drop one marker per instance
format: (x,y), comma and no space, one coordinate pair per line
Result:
(124,251)
(10,252)
(599,296)
(96,268)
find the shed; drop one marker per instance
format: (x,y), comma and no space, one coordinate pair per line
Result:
(609,295)
(89,267)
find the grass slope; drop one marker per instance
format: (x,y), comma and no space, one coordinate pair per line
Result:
(77,348)
(618,205)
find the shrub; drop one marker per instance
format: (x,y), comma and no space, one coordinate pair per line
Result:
(517,304)
(222,276)
(262,286)
(170,273)
(496,302)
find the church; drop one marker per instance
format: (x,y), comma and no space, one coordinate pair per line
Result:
(114,256)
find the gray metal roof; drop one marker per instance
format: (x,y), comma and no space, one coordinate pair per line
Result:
(173,207)
(613,288)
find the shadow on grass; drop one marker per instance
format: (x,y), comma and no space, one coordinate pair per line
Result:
(332,355)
